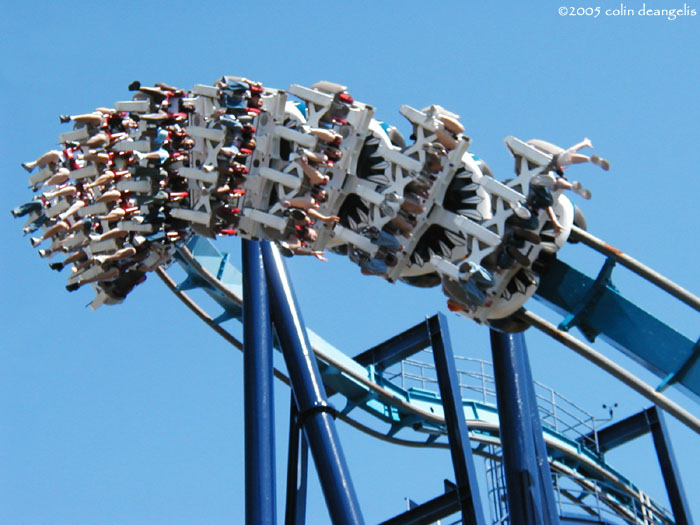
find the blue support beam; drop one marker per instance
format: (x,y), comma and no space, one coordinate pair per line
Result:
(258,378)
(649,420)
(584,520)
(543,468)
(431,511)
(297,471)
(528,477)
(655,345)
(457,431)
(580,313)
(315,413)
(618,433)
(669,469)
(679,375)
(397,348)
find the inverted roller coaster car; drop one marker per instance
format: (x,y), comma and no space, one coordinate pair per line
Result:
(308,168)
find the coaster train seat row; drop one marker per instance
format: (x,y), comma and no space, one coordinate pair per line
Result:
(309,169)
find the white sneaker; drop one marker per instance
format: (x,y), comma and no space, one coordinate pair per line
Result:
(583,192)
(604,164)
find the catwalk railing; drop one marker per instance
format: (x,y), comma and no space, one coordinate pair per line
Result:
(477,382)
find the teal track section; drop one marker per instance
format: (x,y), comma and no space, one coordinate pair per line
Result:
(597,308)
(395,408)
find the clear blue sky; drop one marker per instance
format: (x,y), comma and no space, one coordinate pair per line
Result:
(133,414)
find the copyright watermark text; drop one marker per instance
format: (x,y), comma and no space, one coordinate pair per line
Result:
(627,11)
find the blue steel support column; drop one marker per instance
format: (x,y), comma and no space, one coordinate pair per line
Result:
(297,468)
(310,395)
(667,461)
(545,473)
(528,478)
(260,505)
(457,431)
